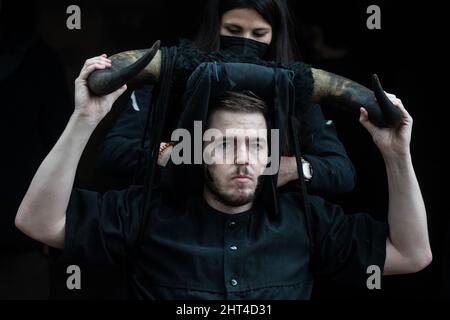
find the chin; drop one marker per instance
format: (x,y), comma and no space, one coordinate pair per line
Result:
(241,198)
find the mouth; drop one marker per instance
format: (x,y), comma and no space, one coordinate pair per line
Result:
(242,178)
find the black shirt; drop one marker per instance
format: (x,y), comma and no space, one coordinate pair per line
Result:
(200,253)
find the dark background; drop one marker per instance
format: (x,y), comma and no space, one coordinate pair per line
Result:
(37,98)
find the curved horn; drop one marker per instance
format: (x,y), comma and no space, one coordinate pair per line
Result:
(133,66)
(391,114)
(348,95)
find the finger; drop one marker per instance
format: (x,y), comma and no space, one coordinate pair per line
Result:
(390,94)
(93,61)
(85,72)
(399,105)
(364,120)
(116,94)
(392,97)
(105,56)
(396,101)
(96,59)
(405,114)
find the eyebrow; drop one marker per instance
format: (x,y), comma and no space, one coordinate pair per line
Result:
(261,29)
(247,138)
(239,27)
(232,25)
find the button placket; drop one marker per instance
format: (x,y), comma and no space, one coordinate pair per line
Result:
(231,246)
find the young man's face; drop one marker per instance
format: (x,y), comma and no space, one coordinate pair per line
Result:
(239,158)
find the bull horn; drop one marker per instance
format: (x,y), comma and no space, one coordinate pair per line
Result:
(345,94)
(391,114)
(134,66)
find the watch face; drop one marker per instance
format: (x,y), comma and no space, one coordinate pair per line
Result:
(307,170)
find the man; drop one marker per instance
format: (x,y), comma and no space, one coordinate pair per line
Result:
(223,243)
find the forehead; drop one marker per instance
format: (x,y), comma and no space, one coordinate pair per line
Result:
(226,120)
(245,17)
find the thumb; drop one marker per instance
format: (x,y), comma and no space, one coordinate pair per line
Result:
(364,120)
(116,94)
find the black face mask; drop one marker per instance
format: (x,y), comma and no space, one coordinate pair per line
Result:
(243,46)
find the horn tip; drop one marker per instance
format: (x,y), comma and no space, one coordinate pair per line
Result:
(156,45)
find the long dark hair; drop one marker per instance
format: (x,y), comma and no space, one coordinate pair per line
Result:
(283,47)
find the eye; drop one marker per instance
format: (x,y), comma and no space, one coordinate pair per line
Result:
(256,146)
(259,34)
(234,30)
(226,145)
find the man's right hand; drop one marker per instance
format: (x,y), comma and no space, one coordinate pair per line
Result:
(89,107)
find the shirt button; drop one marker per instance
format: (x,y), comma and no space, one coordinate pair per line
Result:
(234,282)
(231,224)
(233,248)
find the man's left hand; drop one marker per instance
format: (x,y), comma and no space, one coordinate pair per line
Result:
(390,141)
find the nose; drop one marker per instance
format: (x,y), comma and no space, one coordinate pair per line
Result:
(241,154)
(247,35)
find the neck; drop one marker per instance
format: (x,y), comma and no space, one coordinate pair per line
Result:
(218,205)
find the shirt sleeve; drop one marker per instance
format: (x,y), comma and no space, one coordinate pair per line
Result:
(333,170)
(118,152)
(102,227)
(346,245)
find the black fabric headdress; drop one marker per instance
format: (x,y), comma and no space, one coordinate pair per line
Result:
(274,85)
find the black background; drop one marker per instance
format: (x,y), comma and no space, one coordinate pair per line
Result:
(407,53)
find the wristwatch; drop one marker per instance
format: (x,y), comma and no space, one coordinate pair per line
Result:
(307,169)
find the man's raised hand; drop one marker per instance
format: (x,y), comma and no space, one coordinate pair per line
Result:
(391,141)
(89,107)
